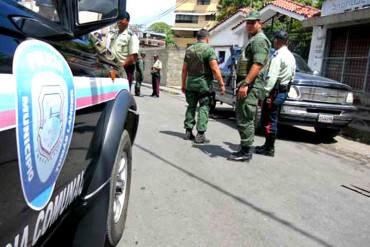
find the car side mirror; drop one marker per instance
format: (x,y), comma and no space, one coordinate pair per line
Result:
(90,15)
(316,72)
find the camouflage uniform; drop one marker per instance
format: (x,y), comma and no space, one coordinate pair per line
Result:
(198,84)
(139,74)
(256,51)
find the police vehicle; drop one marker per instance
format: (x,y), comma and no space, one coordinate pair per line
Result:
(314,101)
(66,127)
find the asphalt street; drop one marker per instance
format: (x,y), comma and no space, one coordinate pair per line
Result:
(185,195)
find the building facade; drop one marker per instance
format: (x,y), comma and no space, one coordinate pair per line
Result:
(191,16)
(340,50)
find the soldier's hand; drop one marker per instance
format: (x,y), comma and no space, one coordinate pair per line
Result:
(183,90)
(222,89)
(113,74)
(242,92)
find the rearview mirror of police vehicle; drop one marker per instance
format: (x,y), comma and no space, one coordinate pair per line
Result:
(91,15)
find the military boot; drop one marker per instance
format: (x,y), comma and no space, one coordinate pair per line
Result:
(201,139)
(268,149)
(244,154)
(189,135)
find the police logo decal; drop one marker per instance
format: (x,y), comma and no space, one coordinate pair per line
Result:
(45,113)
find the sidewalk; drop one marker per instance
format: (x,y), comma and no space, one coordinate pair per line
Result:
(172,89)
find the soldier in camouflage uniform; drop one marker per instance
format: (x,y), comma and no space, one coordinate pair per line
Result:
(139,72)
(199,68)
(251,86)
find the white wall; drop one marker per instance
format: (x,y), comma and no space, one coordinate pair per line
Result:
(223,37)
(317,49)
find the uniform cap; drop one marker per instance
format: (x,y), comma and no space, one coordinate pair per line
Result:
(254,15)
(281,35)
(202,33)
(126,16)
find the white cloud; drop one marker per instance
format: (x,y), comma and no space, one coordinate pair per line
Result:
(143,11)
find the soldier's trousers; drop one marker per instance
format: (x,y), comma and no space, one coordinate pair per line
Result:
(246,113)
(270,112)
(193,98)
(130,70)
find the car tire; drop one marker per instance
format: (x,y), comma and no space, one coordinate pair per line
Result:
(326,133)
(119,191)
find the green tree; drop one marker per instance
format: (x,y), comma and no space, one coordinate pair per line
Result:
(300,38)
(160,27)
(226,8)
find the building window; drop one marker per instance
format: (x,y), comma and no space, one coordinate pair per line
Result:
(203,2)
(186,19)
(347,58)
(210,17)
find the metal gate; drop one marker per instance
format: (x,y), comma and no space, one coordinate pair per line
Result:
(348,57)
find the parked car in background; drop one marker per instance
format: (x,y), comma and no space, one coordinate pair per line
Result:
(66,127)
(313,100)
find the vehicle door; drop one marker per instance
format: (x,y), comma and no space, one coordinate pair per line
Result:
(29,211)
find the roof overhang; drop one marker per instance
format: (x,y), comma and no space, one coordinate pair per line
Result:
(195,14)
(350,16)
(270,11)
(186,28)
(220,26)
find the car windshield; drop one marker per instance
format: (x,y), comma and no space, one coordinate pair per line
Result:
(45,8)
(302,66)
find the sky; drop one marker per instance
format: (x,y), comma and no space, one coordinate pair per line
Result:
(145,11)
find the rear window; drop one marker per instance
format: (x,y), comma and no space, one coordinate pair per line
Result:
(45,8)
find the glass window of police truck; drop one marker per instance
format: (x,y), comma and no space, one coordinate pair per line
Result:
(45,8)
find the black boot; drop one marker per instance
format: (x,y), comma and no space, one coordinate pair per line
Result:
(189,135)
(201,139)
(244,154)
(268,149)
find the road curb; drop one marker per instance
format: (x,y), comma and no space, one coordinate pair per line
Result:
(171,90)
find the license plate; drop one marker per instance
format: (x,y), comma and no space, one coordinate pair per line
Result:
(326,118)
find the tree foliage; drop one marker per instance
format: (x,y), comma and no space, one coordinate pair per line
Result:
(300,38)
(160,27)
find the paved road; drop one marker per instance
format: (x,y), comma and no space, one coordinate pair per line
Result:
(183,195)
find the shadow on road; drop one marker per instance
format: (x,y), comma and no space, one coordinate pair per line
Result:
(241,200)
(173,133)
(213,151)
(287,133)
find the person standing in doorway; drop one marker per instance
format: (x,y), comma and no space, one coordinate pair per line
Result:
(254,57)
(156,75)
(199,69)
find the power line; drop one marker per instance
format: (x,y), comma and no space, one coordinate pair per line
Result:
(164,13)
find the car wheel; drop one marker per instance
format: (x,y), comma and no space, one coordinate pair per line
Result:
(326,133)
(119,191)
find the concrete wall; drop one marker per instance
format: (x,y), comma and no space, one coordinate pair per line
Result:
(172,61)
(317,49)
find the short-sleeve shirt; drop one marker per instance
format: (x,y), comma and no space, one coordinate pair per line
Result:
(256,51)
(157,64)
(281,68)
(124,44)
(197,59)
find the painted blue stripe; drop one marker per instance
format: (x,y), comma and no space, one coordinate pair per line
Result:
(7,102)
(86,92)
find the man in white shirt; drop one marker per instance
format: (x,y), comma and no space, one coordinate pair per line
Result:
(124,46)
(279,75)
(156,76)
